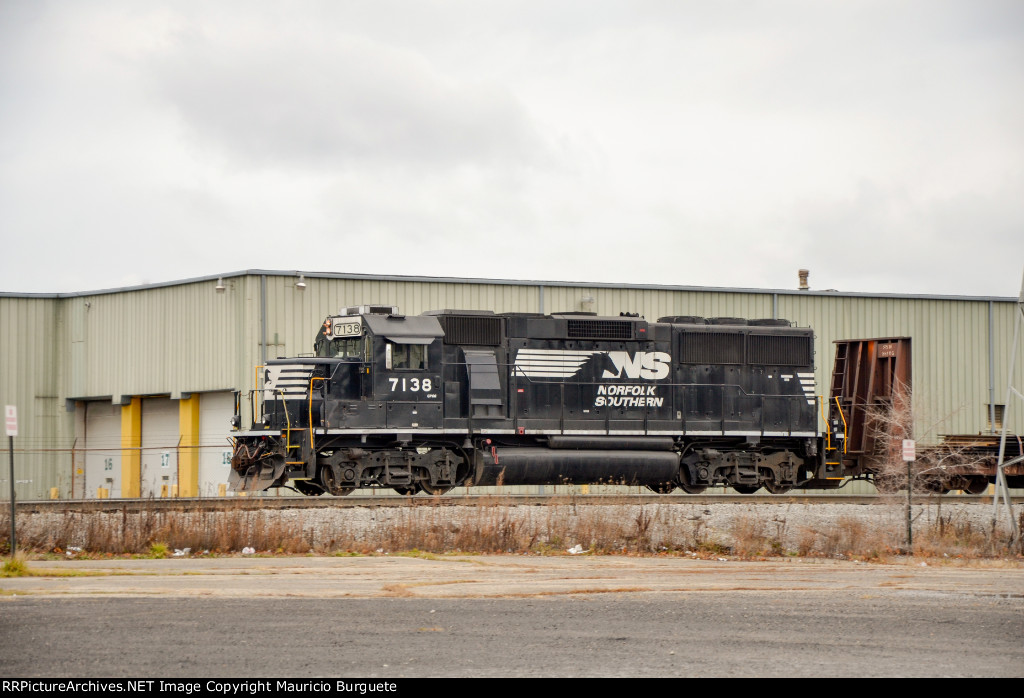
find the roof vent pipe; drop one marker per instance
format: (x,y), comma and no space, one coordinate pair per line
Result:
(804,273)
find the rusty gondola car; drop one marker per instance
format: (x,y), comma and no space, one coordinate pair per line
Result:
(871,394)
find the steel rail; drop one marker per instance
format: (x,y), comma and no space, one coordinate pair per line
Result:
(449,500)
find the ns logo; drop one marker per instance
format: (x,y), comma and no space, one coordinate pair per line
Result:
(651,365)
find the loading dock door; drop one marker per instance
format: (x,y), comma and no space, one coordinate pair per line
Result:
(102,449)
(215,411)
(160,438)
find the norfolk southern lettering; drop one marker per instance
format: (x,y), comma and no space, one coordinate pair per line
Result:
(454,398)
(627,396)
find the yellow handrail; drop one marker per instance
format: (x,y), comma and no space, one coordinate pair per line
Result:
(828,443)
(314,378)
(287,423)
(843,416)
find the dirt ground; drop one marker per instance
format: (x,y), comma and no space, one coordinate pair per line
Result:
(497,576)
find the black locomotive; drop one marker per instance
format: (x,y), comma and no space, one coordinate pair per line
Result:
(456,397)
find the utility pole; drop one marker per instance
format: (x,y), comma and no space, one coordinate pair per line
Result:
(1002,490)
(909,456)
(11,419)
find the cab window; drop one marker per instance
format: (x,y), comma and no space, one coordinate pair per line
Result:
(408,356)
(342,348)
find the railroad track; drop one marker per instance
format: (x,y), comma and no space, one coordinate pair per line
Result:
(281,503)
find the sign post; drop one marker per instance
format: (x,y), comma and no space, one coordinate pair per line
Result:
(909,455)
(11,419)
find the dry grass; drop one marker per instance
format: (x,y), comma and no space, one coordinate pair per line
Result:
(15,566)
(496,525)
(852,538)
(158,533)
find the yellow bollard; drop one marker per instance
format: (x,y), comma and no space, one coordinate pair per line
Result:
(174,490)
(54,493)
(163,490)
(102,493)
(222,490)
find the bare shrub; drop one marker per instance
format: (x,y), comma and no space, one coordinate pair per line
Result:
(951,535)
(937,468)
(807,540)
(749,538)
(128,532)
(849,537)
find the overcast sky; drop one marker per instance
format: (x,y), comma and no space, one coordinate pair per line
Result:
(878,144)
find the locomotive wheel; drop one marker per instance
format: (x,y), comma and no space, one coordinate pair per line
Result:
(684,483)
(331,484)
(746,489)
(976,485)
(310,489)
(434,490)
(774,488)
(693,489)
(934,487)
(407,491)
(888,484)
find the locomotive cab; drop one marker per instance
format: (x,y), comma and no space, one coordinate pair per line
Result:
(382,371)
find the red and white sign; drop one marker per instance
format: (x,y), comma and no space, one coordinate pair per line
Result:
(909,450)
(12,420)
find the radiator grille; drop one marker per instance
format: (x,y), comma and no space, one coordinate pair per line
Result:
(775,350)
(600,329)
(711,348)
(461,329)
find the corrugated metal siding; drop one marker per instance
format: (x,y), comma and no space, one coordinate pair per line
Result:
(30,366)
(294,316)
(1003,315)
(181,338)
(950,350)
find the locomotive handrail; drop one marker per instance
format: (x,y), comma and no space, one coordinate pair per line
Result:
(312,450)
(843,416)
(255,389)
(736,390)
(287,420)
(820,399)
(566,381)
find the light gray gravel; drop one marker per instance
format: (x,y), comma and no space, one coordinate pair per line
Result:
(822,528)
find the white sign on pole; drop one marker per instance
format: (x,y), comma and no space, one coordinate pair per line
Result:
(909,450)
(12,420)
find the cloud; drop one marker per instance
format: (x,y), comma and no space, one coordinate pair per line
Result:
(337,101)
(652,142)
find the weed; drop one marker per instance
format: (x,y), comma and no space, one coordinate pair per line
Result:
(16,566)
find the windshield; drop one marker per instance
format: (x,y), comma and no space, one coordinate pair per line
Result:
(343,348)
